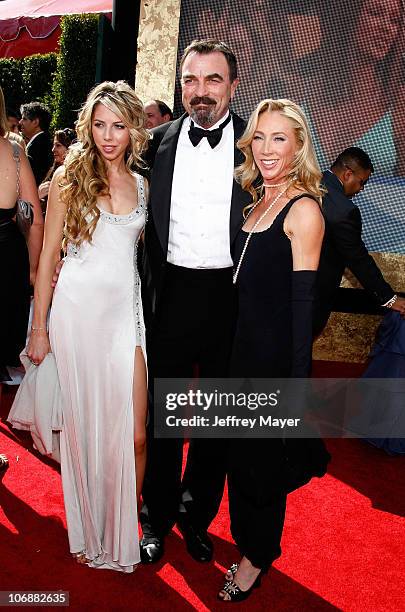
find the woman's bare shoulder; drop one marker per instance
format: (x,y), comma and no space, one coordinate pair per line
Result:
(59,172)
(6,147)
(304,215)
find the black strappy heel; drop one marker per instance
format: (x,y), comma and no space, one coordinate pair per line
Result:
(234,591)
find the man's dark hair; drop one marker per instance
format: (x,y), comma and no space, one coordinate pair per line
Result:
(164,109)
(37,110)
(353,156)
(210,45)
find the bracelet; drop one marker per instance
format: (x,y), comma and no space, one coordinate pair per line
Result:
(391,302)
(37,328)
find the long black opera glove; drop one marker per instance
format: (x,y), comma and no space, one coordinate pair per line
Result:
(302,303)
(305,457)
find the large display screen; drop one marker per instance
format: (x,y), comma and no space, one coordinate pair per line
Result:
(343,62)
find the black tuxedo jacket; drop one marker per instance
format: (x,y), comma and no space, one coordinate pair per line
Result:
(39,153)
(160,157)
(343,247)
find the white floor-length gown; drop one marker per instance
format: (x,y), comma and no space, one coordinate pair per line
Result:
(95,324)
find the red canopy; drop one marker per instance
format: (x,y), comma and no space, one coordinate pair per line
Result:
(32,26)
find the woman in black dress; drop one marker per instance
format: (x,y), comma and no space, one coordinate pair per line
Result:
(276,257)
(18,263)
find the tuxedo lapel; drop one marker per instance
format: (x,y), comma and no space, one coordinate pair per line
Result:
(240,198)
(162,179)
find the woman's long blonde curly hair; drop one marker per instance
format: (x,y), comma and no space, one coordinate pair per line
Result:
(305,173)
(85,175)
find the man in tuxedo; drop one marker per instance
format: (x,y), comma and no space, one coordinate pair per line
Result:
(195,211)
(343,245)
(34,124)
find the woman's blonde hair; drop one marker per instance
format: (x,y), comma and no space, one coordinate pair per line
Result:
(85,175)
(3,115)
(305,173)
(17,138)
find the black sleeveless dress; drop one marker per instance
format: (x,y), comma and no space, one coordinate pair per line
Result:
(262,471)
(263,339)
(15,300)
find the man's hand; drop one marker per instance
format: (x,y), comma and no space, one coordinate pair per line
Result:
(399,305)
(56,273)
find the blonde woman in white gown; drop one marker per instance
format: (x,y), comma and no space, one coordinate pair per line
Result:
(96,332)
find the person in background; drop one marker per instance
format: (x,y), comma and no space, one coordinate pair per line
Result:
(61,142)
(18,261)
(157,112)
(13,119)
(14,134)
(34,124)
(343,245)
(387,361)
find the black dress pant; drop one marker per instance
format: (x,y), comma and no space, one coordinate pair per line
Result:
(257,498)
(192,331)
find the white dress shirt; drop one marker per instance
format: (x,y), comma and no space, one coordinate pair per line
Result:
(201,201)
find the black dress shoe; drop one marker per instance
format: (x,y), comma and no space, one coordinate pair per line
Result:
(152,548)
(197,541)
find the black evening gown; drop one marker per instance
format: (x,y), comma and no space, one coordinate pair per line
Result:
(263,349)
(15,300)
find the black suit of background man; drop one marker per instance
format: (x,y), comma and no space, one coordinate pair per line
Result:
(343,245)
(39,153)
(34,124)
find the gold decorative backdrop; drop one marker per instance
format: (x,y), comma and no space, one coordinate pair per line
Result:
(157,50)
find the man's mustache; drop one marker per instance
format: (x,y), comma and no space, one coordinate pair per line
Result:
(203,100)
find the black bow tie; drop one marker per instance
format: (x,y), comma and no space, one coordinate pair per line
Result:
(213,136)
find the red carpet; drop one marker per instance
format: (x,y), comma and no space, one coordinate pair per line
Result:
(342,547)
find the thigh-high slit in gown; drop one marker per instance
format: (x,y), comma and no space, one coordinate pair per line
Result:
(95,324)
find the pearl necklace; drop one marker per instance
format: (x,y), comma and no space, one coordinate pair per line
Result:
(268,209)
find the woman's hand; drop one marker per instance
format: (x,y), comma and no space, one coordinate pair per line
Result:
(43,190)
(56,273)
(38,346)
